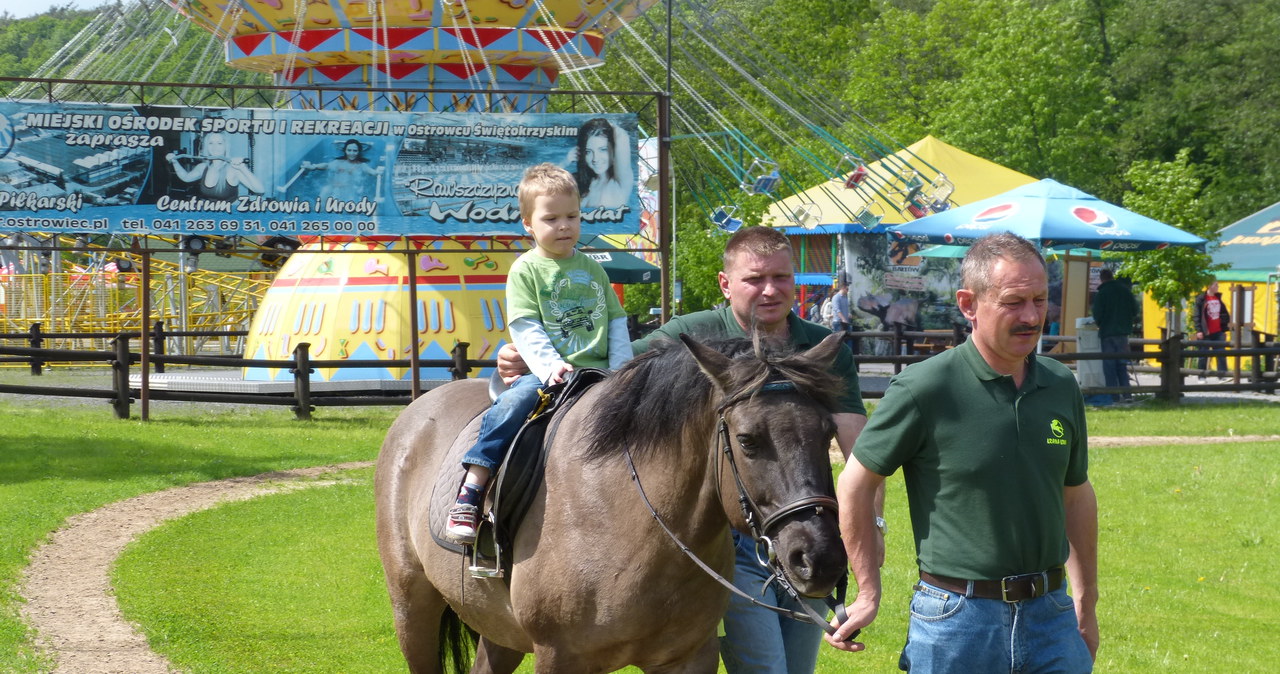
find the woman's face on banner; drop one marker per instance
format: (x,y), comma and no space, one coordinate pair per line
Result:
(351,151)
(598,154)
(215,145)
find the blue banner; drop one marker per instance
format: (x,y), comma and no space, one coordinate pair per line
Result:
(110,169)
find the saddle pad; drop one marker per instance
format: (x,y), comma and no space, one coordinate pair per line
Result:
(448,479)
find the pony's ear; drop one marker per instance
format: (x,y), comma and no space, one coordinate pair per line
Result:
(712,362)
(825,352)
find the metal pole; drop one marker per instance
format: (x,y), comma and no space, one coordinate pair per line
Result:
(144,359)
(415,386)
(664,195)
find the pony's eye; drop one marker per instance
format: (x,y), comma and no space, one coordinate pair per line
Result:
(747,442)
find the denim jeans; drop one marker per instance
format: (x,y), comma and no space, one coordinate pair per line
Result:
(954,633)
(757,640)
(1115,372)
(1222,361)
(502,421)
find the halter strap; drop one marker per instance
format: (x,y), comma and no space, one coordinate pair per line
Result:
(759,533)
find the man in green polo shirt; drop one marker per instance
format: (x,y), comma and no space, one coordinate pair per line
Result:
(758,284)
(994,452)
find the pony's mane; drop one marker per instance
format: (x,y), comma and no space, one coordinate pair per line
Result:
(653,399)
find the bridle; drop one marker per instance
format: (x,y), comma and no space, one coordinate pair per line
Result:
(760,525)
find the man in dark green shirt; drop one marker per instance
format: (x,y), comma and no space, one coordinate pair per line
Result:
(994,451)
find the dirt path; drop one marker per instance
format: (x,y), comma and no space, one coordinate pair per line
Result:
(70,603)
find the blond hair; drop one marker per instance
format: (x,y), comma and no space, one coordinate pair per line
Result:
(545,179)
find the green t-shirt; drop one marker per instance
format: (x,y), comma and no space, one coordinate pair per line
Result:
(984,463)
(572,300)
(720,323)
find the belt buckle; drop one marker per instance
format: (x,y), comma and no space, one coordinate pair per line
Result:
(1042,577)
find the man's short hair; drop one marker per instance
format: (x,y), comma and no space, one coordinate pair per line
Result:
(542,180)
(1105,275)
(759,241)
(975,271)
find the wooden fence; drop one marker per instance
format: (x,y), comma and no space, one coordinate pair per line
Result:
(903,348)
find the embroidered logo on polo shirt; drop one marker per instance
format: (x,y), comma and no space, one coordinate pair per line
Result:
(1058,432)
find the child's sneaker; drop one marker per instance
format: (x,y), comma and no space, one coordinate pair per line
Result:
(461,527)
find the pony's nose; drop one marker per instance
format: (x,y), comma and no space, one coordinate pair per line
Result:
(800,562)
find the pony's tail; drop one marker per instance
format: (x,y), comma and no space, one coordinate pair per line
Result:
(457,643)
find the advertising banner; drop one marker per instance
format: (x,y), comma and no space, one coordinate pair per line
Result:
(115,169)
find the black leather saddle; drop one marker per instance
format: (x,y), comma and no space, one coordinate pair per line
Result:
(516,482)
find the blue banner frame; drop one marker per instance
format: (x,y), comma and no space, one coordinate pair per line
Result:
(161,170)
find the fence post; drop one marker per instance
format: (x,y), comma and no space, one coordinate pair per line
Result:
(302,381)
(37,363)
(957,334)
(120,376)
(460,369)
(1171,369)
(157,345)
(898,341)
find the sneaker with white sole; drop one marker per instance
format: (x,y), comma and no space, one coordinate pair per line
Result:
(461,528)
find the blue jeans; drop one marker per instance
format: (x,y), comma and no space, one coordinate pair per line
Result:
(1115,372)
(757,640)
(502,421)
(953,633)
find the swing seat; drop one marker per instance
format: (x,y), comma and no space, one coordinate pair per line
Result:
(854,179)
(723,218)
(807,215)
(766,183)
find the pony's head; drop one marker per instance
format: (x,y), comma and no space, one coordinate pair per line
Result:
(772,407)
(776,422)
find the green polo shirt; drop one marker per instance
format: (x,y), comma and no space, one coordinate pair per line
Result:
(984,463)
(720,323)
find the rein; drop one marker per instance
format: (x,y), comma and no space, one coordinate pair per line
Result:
(759,532)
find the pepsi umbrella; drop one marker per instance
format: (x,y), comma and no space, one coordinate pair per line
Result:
(1051,214)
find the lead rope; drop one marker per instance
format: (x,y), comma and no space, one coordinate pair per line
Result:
(808,615)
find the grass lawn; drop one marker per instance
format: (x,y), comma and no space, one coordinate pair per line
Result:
(62,459)
(291,582)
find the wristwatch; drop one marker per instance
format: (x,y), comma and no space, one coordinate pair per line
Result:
(882,525)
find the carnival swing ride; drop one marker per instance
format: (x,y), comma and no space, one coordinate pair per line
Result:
(731,99)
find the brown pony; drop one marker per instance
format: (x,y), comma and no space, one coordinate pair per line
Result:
(595,583)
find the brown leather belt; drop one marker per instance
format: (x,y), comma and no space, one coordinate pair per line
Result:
(1010,589)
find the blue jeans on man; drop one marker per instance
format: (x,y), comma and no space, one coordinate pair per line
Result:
(951,633)
(502,421)
(1115,372)
(760,641)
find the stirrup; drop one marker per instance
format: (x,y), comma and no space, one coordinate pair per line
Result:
(475,564)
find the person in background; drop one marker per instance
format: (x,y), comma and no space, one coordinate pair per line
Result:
(993,446)
(1113,312)
(1212,322)
(561,315)
(758,283)
(841,320)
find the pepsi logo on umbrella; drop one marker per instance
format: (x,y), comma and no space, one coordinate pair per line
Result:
(1097,219)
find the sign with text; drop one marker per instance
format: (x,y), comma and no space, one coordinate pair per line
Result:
(73,167)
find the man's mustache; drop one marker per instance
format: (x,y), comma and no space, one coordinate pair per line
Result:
(1025,327)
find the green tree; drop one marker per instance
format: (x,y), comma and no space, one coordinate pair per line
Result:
(1199,74)
(1169,192)
(1031,94)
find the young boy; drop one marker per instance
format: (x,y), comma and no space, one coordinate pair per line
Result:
(561,311)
